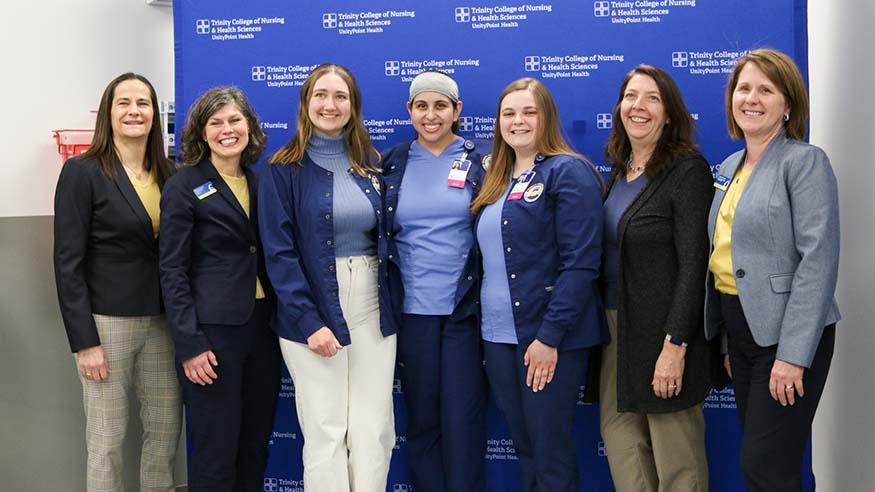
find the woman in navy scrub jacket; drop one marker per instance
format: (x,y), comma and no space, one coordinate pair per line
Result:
(217,296)
(430,183)
(539,231)
(322,226)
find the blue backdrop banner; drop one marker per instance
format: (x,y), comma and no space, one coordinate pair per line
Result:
(581,49)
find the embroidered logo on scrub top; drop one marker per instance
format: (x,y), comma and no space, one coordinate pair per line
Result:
(204,190)
(534,192)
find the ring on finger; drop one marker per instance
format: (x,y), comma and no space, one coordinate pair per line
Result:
(789,387)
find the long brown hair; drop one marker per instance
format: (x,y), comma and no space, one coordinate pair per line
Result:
(782,71)
(355,135)
(676,140)
(103,147)
(549,141)
(195,149)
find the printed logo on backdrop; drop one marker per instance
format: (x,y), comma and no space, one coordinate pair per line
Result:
(604,121)
(638,11)
(281,75)
(601,449)
(272,484)
(396,383)
(501,16)
(402,487)
(721,399)
(237,29)
(399,441)
(717,62)
(408,69)
(466,124)
(500,450)
(581,390)
(365,22)
(477,126)
(569,66)
(282,436)
(287,387)
(276,125)
(382,130)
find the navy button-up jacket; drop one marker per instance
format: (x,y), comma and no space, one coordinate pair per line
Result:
(297,233)
(552,241)
(394,164)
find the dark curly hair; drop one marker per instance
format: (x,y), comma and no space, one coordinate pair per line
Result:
(196,149)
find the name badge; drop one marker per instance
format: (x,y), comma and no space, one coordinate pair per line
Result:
(204,190)
(721,182)
(521,184)
(458,173)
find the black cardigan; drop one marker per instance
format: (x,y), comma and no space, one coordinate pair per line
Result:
(663,259)
(105,253)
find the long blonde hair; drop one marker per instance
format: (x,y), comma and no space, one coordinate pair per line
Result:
(355,135)
(548,141)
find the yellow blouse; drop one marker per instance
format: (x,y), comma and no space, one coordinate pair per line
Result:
(241,190)
(150,195)
(720,263)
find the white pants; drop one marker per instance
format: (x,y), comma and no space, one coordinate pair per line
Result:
(344,402)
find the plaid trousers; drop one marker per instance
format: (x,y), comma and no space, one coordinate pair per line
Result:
(141,358)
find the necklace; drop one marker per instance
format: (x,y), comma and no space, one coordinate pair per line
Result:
(636,169)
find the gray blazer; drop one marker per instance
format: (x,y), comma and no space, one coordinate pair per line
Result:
(785,249)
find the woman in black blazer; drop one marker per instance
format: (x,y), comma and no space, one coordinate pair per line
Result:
(217,294)
(106,271)
(654,374)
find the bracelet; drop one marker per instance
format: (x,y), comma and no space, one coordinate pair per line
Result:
(675,341)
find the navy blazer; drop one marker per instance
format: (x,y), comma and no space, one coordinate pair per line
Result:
(552,250)
(105,253)
(210,255)
(296,205)
(394,164)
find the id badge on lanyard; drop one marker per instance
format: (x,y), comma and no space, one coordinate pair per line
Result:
(459,172)
(520,186)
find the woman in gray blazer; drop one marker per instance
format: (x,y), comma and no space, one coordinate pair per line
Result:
(774,229)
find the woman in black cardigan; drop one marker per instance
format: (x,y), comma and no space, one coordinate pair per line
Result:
(654,373)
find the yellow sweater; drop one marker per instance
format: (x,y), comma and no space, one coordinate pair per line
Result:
(241,191)
(721,257)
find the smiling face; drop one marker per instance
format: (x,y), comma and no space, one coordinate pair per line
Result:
(329,105)
(519,121)
(642,112)
(433,115)
(227,133)
(757,105)
(132,110)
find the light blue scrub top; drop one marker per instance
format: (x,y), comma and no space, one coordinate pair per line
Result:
(497,324)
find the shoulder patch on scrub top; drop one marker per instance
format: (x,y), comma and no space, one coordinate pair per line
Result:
(204,190)
(534,192)
(486,161)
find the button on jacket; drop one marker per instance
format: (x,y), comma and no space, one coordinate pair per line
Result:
(552,250)
(296,204)
(394,165)
(105,253)
(785,249)
(210,255)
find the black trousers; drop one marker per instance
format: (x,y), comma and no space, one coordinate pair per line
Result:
(541,424)
(230,421)
(773,437)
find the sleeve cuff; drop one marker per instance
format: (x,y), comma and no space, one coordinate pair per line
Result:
(550,334)
(309,323)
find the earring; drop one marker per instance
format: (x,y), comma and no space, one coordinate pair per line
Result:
(786,117)
(667,122)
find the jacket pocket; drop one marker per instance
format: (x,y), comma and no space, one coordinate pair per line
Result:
(781,282)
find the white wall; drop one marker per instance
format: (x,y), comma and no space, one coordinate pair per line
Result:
(58,56)
(842,73)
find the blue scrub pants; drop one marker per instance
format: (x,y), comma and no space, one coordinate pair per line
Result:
(445,394)
(541,424)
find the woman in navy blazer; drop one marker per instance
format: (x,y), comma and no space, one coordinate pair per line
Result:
(774,229)
(217,295)
(539,232)
(430,183)
(325,247)
(106,271)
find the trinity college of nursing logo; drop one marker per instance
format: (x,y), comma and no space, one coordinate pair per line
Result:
(271,485)
(466,124)
(402,487)
(392,68)
(680,59)
(463,14)
(202,26)
(601,9)
(329,21)
(604,121)
(259,73)
(533,63)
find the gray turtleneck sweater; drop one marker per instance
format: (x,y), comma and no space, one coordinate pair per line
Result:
(353,214)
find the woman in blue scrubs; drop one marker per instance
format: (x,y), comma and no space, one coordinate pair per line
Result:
(430,183)
(539,231)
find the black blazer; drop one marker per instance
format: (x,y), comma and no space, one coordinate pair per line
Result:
(210,255)
(663,259)
(105,254)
